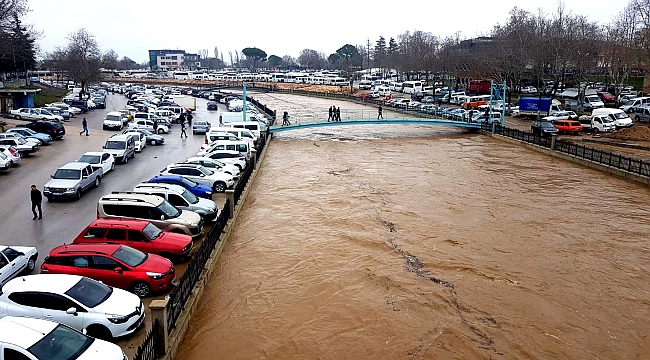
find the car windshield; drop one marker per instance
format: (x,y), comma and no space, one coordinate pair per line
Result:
(151,231)
(115,145)
(89,292)
(619,116)
(169,210)
(27,130)
(19,139)
(114,117)
(130,256)
(575,123)
(205,170)
(630,102)
(46,112)
(67,174)
(188,182)
(607,119)
(62,343)
(547,125)
(146,132)
(191,198)
(91,159)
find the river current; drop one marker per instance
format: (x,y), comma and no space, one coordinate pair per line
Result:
(411,242)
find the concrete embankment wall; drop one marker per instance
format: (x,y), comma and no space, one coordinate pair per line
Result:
(584,162)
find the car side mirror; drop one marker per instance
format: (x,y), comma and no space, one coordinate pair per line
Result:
(85,177)
(119,270)
(102,146)
(162,217)
(52,176)
(84,331)
(71,311)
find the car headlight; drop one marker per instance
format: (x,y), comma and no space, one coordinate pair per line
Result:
(117,319)
(70,189)
(155,275)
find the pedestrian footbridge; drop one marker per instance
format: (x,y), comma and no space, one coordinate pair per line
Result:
(308,120)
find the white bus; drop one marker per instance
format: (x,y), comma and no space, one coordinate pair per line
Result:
(410,87)
(277,77)
(182,75)
(339,81)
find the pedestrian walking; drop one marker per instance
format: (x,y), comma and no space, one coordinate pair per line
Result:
(189,118)
(338,114)
(439,102)
(84,125)
(379,115)
(155,126)
(183,129)
(285,119)
(471,115)
(37,199)
(330,114)
(181,118)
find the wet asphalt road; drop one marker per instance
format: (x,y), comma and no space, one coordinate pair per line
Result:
(64,220)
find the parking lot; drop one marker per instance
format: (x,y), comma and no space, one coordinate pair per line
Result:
(63,220)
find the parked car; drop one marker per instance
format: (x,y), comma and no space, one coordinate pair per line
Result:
(148,125)
(140,139)
(65,114)
(12,154)
(568,126)
(528,90)
(213,105)
(65,107)
(180,198)
(122,147)
(5,163)
(26,338)
(151,208)
(366,96)
(218,181)
(200,127)
(99,160)
(33,114)
(543,128)
(606,97)
(55,130)
(138,234)
(115,265)
(31,134)
(76,301)
(22,146)
(150,138)
(229,157)
(113,121)
(71,180)
(214,164)
(561,115)
(16,260)
(193,187)
(17,135)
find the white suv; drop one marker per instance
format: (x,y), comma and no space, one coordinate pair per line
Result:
(113,121)
(33,339)
(77,301)
(218,181)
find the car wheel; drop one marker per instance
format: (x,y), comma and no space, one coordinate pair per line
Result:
(126,159)
(18,117)
(596,130)
(50,199)
(133,155)
(160,131)
(31,265)
(113,166)
(219,186)
(97,181)
(141,288)
(99,332)
(78,195)
(153,142)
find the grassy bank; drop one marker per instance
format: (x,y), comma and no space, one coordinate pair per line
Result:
(48,95)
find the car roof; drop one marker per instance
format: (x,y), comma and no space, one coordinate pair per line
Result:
(77,249)
(176,188)
(118,137)
(183,165)
(114,113)
(119,223)
(135,198)
(24,332)
(93,153)
(74,165)
(55,283)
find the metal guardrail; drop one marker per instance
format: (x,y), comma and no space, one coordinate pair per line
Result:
(148,350)
(617,161)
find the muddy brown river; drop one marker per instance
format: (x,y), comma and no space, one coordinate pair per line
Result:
(428,243)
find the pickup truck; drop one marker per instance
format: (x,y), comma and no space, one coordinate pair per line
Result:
(71,180)
(597,123)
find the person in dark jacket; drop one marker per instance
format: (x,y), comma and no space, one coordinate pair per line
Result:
(379,115)
(338,114)
(37,199)
(189,118)
(84,125)
(183,129)
(155,126)
(330,114)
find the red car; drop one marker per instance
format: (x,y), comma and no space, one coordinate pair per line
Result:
(114,265)
(365,96)
(606,97)
(138,234)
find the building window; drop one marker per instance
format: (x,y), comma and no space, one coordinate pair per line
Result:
(174,57)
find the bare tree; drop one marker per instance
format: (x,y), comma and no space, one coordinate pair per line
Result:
(80,59)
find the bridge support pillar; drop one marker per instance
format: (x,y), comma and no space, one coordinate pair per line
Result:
(159,313)
(553,139)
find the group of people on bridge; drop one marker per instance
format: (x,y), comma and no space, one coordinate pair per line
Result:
(334,114)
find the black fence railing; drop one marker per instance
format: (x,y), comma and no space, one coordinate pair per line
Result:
(148,350)
(243,180)
(618,161)
(182,292)
(271,113)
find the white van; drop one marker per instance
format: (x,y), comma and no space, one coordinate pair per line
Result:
(631,104)
(242,134)
(253,126)
(239,146)
(456,97)
(365,85)
(620,117)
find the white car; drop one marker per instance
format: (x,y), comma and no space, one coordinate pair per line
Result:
(561,115)
(97,159)
(15,260)
(23,338)
(528,90)
(229,157)
(77,301)
(148,125)
(214,164)
(12,154)
(33,114)
(63,106)
(113,120)
(217,181)
(140,139)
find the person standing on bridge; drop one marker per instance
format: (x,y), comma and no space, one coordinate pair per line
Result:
(331,111)
(379,115)
(338,113)
(285,119)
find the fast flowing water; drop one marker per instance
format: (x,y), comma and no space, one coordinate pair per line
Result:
(420,243)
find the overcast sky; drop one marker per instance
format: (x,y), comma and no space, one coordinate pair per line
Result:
(279,27)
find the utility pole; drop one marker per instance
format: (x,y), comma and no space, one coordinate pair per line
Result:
(368,51)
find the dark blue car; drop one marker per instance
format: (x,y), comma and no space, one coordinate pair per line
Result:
(193,187)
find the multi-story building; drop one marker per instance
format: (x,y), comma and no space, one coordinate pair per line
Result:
(173,60)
